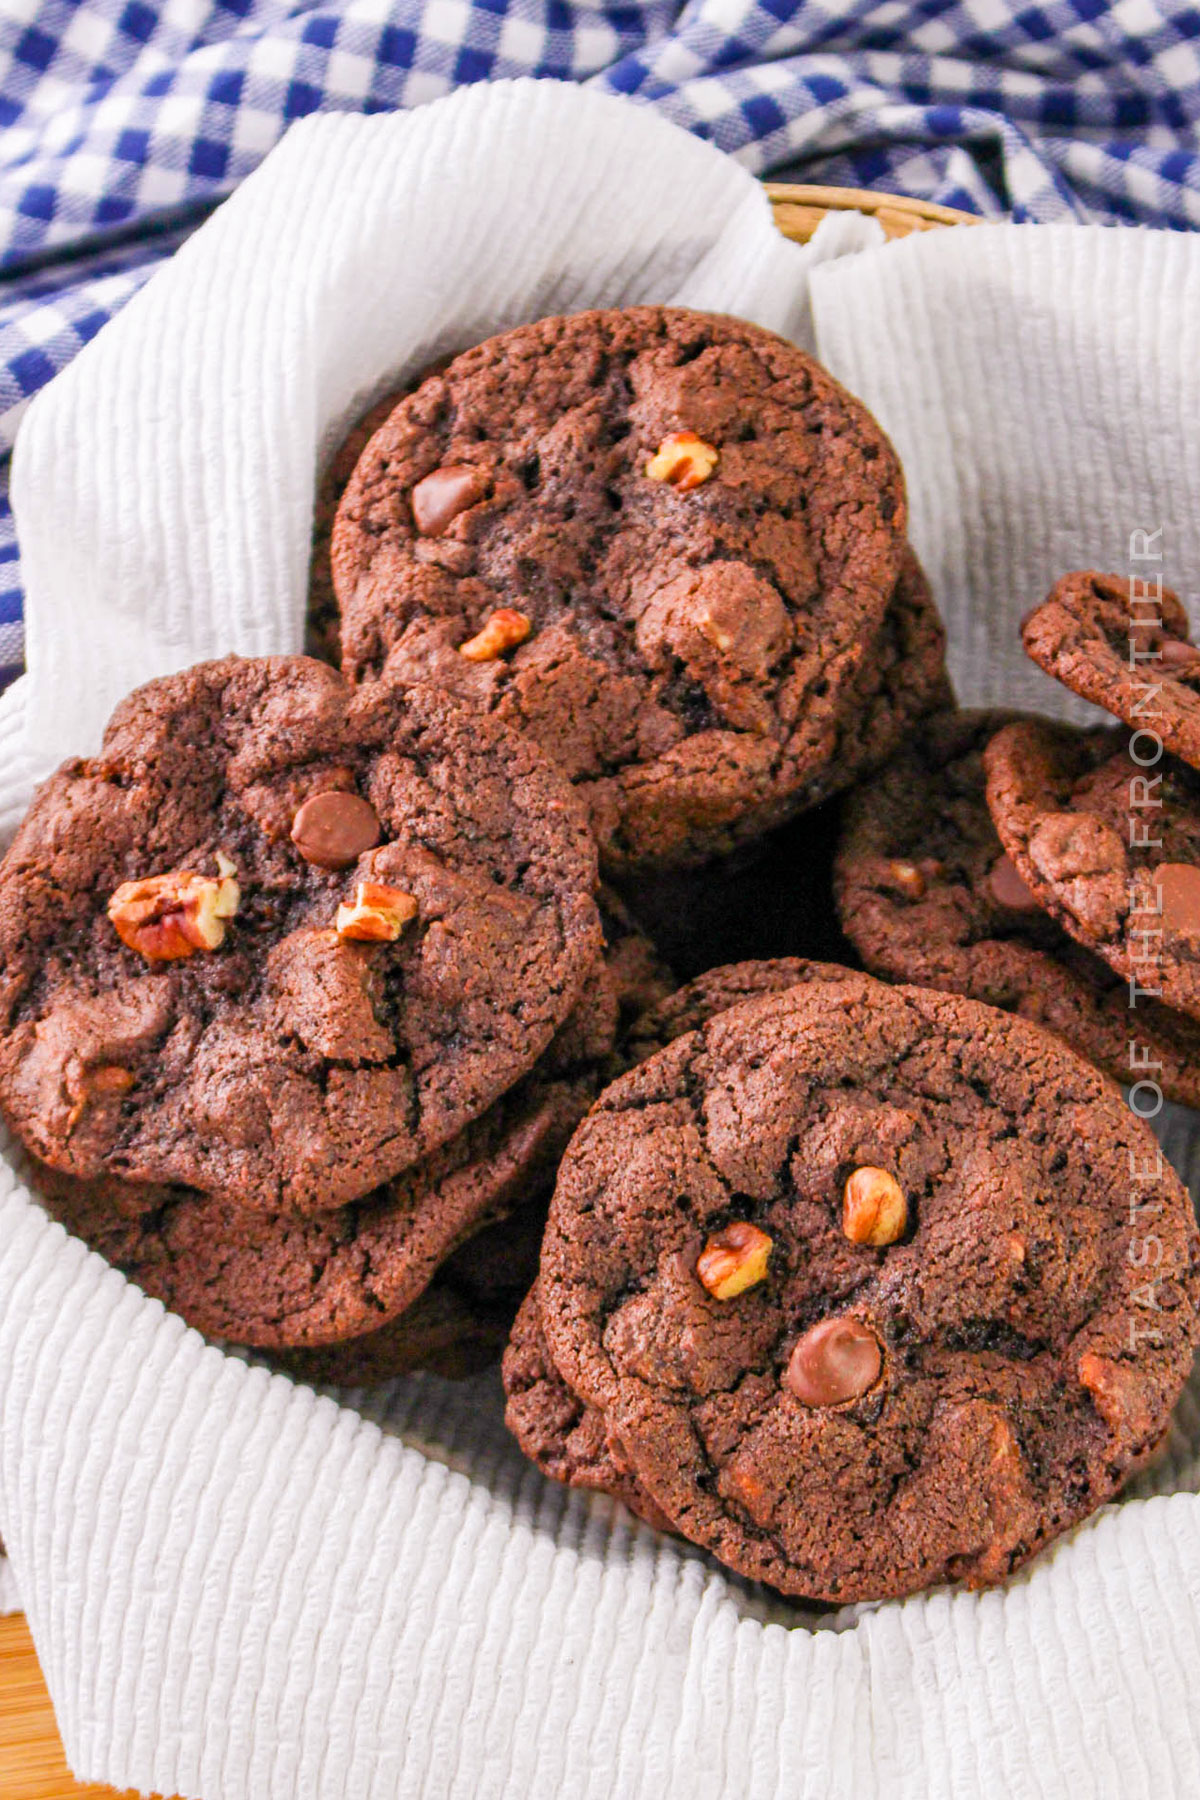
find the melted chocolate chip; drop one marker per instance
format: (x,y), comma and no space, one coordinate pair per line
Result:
(1008,888)
(837,1360)
(332,830)
(442,495)
(1176,654)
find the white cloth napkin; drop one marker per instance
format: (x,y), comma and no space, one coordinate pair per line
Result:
(242,1591)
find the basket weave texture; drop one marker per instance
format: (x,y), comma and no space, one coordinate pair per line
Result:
(799,210)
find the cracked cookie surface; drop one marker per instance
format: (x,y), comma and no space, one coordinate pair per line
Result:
(459,1326)
(349,1278)
(926,894)
(694,646)
(556,1430)
(1124,646)
(1110,847)
(863,1422)
(293,1058)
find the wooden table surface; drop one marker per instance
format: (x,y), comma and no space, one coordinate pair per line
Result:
(31,1757)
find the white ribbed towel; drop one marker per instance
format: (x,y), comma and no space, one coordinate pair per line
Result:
(240,1591)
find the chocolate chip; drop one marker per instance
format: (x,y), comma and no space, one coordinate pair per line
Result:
(333,829)
(1176,654)
(1179,885)
(442,495)
(837,1360)
(1008,889)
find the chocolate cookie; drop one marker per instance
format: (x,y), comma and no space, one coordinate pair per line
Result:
(457,1327)
(663,542)
(566,1439)
(322,637)
(902,680)
(283,1281)
(1126,650)
(853,1278)
(274,1281)
(281,940)
(1111,848)
(774,897)
(927,895)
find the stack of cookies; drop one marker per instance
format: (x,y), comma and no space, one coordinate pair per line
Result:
(1047,869)
(307,978)
(316,1018)
(302,988)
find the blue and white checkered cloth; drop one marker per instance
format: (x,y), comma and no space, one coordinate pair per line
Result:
(123,122)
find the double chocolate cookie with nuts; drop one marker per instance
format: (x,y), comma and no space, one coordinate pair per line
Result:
(281,940)
(662,542)
(852,1277)
(350,1278)
(1110,847)
(927,894)
(1125,646)
(565,1438)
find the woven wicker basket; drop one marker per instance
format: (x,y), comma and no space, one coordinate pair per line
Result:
(799,210)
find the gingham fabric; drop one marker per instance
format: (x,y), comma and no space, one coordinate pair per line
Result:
(122,122)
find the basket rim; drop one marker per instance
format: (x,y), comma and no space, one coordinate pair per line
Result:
(866,200)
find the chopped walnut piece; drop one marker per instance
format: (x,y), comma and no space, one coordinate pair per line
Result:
(376,915)
(907,877)
(504,630)
(109,1078)
(683,460)
(874,1210)
(164,917)
(733,1260)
